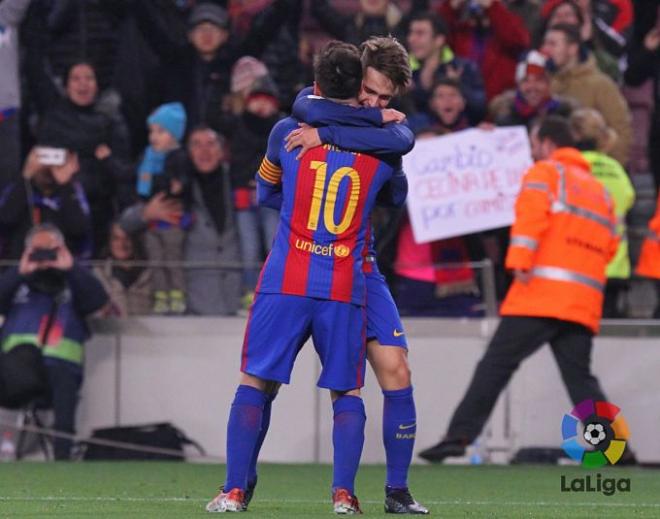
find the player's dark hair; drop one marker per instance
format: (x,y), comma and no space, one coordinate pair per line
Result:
(438,25)
(386,55)
(571,32)
(338,70)
(557,129)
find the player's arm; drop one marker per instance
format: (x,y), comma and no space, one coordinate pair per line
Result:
(350,127)
(317,111)
(269,175)
(395,190)
(393,138)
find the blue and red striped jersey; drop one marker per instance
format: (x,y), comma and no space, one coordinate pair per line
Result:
(327,197)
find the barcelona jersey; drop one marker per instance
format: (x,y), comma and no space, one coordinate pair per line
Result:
(327,196)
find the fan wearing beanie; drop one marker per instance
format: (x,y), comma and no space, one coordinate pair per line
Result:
(532,98)
(164,240)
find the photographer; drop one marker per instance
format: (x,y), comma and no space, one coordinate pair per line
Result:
(48,192)
(44,302)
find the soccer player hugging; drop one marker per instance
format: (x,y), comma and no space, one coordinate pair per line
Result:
(314,282)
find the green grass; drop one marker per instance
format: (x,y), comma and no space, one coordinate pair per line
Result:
(154,489)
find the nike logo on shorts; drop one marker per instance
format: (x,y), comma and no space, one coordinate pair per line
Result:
(397,333)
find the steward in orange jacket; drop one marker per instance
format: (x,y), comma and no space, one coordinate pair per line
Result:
(649,257)
(562,239)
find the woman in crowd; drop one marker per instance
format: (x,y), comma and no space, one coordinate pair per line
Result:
(129,287)
(82,121)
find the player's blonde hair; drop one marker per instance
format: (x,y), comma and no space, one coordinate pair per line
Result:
(386,55)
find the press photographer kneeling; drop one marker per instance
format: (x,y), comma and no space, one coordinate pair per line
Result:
(44,302)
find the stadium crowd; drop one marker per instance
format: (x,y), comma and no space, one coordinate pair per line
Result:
(164,108)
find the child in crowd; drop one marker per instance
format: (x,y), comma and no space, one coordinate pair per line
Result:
(256,225)
(164,240)
(446,111)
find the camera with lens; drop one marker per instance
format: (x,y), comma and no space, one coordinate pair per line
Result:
(38,255)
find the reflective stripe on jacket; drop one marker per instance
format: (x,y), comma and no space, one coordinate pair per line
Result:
(564,234)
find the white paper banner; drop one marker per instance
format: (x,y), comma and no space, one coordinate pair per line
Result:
(465,182)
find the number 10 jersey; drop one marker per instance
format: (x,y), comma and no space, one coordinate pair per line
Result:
(327,196)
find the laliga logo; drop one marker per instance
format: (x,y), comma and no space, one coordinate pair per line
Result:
(604,429)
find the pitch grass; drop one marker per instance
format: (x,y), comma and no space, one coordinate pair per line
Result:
(153,489)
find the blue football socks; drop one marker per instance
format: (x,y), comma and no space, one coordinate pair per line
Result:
(399,428)
(348,440)
(243,429)
(265,423)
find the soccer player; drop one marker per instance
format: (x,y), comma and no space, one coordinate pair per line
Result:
(386,72)
(312,284)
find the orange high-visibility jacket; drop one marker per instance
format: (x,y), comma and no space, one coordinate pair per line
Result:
(564,235)
(649,256)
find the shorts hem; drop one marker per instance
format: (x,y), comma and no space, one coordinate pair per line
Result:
(325,386)
(388,344)
(267,376)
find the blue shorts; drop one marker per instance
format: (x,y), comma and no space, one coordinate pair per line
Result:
(279,325)
(383,321)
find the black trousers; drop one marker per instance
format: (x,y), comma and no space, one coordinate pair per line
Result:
(65,379)
(515,339)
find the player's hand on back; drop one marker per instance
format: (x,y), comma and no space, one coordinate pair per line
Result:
(390,115)
(304,138)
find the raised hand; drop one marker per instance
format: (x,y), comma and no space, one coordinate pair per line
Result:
(162,208)
(64,173)
(102,151)
(652,39)
(25,266)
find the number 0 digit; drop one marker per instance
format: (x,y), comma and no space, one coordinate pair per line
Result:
(320,195)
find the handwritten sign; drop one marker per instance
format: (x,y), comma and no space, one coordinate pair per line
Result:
(465,182)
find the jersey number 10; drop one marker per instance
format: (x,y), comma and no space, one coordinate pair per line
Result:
(328,197)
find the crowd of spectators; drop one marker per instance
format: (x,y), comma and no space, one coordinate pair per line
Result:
(164,108)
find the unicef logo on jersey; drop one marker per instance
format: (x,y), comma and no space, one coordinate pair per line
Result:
(594,433)
(339,250)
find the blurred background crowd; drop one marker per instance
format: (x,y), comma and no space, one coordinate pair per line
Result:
(164,108)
